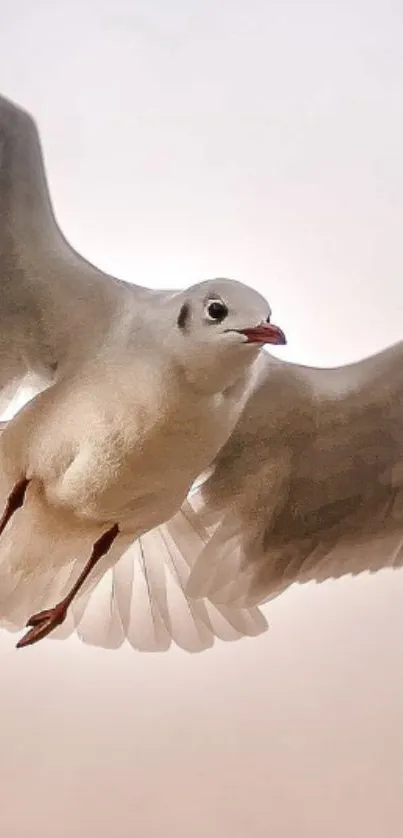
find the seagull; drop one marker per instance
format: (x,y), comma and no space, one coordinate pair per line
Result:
(134,393)
(168,477)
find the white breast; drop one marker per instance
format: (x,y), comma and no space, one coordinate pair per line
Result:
(106,456)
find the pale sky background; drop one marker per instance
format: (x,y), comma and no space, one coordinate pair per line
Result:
(187,139)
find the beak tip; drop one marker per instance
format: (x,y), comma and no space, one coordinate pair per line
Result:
(265,333)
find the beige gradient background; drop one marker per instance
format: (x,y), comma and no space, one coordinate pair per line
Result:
(262,140)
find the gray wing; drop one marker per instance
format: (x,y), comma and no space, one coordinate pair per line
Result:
(52,301)
(308,487)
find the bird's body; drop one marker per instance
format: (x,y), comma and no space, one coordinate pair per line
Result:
(122,463)
(147,434)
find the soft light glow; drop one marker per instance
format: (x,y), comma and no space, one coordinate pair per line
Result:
(259,141)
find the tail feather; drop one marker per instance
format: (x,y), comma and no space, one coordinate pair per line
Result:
(137,593)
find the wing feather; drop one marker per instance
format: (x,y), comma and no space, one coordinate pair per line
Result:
(54,303)
(308,487)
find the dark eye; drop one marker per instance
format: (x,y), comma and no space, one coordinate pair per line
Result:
(217,310)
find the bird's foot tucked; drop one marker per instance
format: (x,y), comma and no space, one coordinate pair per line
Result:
(43,623)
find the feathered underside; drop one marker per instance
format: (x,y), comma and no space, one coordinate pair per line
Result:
(140,600)
(136,594)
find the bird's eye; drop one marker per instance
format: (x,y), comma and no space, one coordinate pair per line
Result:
(217,311)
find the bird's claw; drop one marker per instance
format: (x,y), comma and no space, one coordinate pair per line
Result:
(42,624)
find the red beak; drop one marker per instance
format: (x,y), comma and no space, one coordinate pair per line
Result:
(265,333)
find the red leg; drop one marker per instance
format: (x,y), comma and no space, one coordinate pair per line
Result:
(44,622)
(15,500)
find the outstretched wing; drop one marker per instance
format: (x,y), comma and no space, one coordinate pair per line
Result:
(52,301)
(308,487)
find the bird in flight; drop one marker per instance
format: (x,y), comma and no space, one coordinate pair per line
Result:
(168,476)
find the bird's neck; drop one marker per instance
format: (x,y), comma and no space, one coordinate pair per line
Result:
(209,375)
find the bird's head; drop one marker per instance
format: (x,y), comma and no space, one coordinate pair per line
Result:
(218,329)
